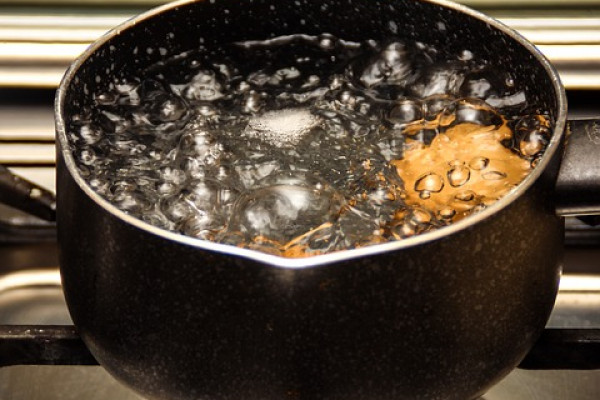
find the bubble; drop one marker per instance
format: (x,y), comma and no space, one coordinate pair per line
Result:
(466,55)
(82,118)
(347,97)
(157,219)
(518,99)
(199,198)
(243,86)
(424,136)
(458,175)
(411,221)
(87,157)
(357,129)
(260,78)
(479,163)
(105,99)
(444,79)
(166,188)
(327,42)
(203,225)
(206,194)
(124,146)
(465,196)
(392,65)
(403,231)
(227,197)
(438,105)
(164,107)
(493,175)
(392,146)
(312,81)
(127,94)
(252,103)
(430,182)
(150,87)
(533,142)
(447,213)
(364,108)
(532,135)
(133,202)
(285,205)
(477,85)
(201,145)
(406,111)
(249,174)
(287,73)
(90,134)
(192,167)
(535,162)
(356,228)
(176,208)
(173,175)
(206,110)
(336,82)
(122,186)
(476,113)
(421,216)
(111,123)
(125,88)
(100,185)
(204,87)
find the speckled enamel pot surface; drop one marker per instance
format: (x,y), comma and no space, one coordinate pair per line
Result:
(444,315)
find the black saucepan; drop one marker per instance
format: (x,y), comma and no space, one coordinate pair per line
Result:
(444,315)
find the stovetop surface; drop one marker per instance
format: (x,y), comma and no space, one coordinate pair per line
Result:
(33,296)
(30,293)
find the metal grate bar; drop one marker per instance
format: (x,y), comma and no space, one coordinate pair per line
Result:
(42,345)
(577,349)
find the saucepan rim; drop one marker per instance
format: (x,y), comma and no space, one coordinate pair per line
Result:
(344,255)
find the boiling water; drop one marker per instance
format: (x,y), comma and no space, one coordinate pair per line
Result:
(302,145)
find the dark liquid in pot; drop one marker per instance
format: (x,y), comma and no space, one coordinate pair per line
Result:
(302,145)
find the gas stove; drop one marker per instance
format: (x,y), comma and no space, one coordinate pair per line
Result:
(35,333)
(37,43)
(35,329)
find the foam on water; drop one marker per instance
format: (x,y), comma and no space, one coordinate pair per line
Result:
(282,127)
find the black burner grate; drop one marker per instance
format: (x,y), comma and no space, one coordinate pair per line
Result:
(60,345)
